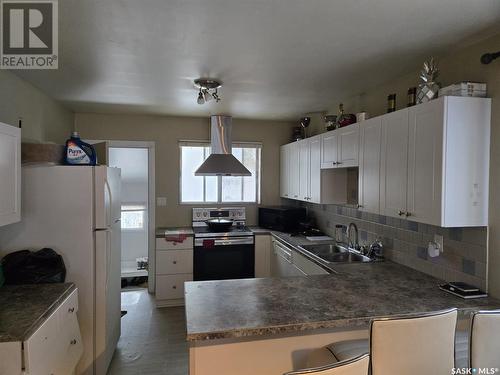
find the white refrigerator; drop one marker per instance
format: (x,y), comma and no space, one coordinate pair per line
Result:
(76,211)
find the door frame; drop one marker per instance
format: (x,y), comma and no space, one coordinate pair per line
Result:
(151,199)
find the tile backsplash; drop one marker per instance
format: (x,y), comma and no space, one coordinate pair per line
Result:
(406,242)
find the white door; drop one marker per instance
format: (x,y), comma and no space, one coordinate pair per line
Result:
(348,146)
(284,175)
(394,166)
(107,196)
(304,177)
(425,160)
(293,159)
(315,169)
(10,174)
(329,147)
(369,165)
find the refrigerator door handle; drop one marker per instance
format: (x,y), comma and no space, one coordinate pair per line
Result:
(109,203)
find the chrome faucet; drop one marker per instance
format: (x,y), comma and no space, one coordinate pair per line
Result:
(352,244)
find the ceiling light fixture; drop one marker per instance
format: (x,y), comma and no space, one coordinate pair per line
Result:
(208,89)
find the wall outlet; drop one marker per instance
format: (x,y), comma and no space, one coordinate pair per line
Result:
(438,239)
(161,201)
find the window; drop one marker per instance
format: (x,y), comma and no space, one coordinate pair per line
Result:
(132,217)
(219,189)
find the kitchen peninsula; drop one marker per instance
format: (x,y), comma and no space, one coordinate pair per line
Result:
(268,325)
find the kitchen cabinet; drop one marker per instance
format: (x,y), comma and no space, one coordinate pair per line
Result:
(10,174)
(287,262)
(263,255)
(369,165)
(394,163)
(303,178)
(340,147)
(54,348)
(174,266)
(435,162)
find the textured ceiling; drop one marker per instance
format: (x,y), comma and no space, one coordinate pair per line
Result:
(278,59)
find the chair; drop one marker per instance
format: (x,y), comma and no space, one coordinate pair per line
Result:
(409,344)
(484,341)
(353,366)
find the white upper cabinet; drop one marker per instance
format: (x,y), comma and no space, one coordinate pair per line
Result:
(293,171)
(394,163)
(284,171)
(340,147)
(10,174)
(369,165)
(348,146)
(315,169)
(304,169)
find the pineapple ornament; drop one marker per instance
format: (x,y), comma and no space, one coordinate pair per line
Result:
(429,88)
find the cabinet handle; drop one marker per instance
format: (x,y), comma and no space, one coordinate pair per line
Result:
(73,342)
(360,206)
(174,287)
(174,262)
(334,163)
(295,196)
(71,310)
(338,163)
(401,213)
(408,214)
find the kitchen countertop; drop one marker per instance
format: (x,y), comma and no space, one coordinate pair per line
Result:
(174,231)
(349,298)
(23,308)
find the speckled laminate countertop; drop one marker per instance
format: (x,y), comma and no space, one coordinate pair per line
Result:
(23,308)
(174,231)
(346,299)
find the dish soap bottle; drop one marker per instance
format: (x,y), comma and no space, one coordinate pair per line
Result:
(79,152)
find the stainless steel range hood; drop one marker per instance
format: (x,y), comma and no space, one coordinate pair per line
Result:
(221,162)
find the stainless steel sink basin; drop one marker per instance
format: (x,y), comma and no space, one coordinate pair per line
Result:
(334,253)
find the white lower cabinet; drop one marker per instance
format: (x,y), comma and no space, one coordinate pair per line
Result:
(10,174)
(174,266)
(54,348)
(286,262)
(263,255)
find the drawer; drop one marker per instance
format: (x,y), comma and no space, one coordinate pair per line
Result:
(307,266)
(69,346)
(68,309)
(164,244)
(171,286)
(174,262)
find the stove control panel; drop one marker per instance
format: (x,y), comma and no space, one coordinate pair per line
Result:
(234,213)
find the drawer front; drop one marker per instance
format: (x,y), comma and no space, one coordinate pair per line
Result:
(165,244)
(171,286)
(68,309)
(69,346)
(174,262)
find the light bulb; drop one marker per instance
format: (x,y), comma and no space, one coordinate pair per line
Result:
(201,99)
(206,95)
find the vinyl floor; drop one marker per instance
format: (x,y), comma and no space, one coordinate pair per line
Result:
(153,341)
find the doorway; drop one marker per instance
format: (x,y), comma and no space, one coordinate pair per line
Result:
(136,159)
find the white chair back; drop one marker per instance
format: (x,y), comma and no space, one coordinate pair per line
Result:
(413,345)
(484,342)
(354,366)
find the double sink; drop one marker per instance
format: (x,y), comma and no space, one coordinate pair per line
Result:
(335,253)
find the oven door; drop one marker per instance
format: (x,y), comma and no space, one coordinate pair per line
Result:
(224,258)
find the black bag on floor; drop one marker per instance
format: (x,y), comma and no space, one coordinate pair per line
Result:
(39,267)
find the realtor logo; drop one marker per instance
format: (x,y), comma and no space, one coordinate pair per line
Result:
(29,37)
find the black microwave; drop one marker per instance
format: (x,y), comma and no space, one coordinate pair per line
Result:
(282,218)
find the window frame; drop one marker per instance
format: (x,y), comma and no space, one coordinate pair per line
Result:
(144,210)
(258,172)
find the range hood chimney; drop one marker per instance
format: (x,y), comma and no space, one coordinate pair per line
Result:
(221,162)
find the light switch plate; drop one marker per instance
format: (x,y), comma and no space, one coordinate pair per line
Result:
(161,201)
(438,239)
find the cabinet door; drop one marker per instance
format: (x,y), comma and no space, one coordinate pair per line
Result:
(10,174)
(329,146)
(284,175)
(293,161)
(304,177)
(262,255)
(394,166)
(369,165)
(425,160)
(348,146)
(315,170)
